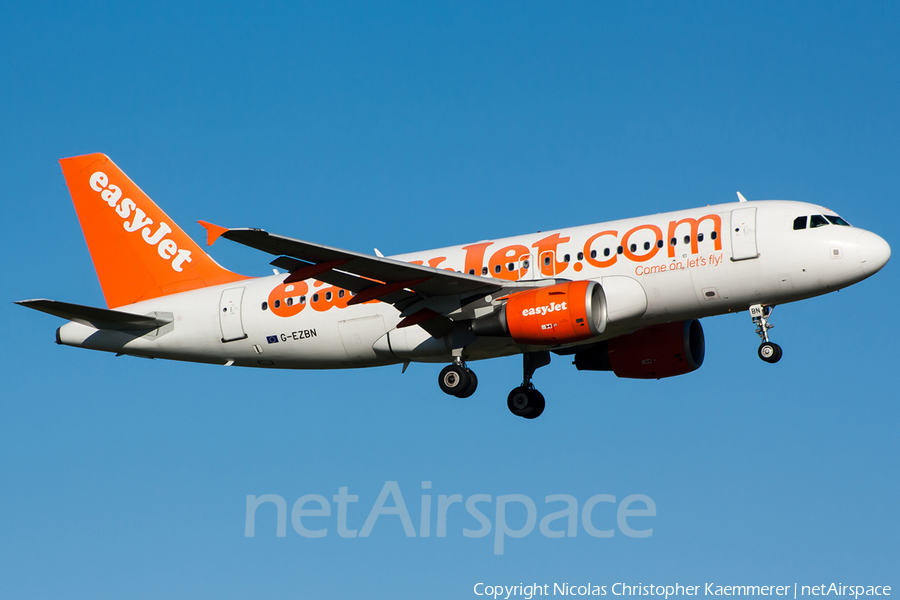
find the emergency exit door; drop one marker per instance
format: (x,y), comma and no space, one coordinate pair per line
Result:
(230,315)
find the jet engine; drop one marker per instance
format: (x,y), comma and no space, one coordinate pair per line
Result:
(557,314)
(652,353)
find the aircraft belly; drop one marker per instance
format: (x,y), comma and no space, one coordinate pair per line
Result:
(328,339)
(670,293)
(359,335)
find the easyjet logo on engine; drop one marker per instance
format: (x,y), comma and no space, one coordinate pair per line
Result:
(543,310)
(126,207)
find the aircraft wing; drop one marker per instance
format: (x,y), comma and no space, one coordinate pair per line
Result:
(369,277)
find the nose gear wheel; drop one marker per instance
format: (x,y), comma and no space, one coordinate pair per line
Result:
(768,351)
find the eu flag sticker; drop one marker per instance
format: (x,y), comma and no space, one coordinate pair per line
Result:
(272,339)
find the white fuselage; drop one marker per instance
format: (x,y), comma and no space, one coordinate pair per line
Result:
(731,256)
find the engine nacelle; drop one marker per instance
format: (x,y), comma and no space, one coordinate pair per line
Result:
(556,314)
(653,353)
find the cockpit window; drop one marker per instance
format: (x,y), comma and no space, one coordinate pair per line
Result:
(817,221)
(800,223)
(837,220)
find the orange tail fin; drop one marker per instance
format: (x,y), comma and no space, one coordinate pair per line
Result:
(138,251)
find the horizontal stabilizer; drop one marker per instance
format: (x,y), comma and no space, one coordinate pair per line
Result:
(98,318)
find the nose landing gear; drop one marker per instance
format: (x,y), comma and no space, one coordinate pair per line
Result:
(768,351)
(525,401)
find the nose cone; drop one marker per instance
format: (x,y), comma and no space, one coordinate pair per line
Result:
(874,252)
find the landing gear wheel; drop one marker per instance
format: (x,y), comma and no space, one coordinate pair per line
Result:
(770,352)
(525,402)
(473,385)
(538,407)
(454,380)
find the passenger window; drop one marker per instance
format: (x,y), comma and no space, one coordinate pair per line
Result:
(265,305)
(837,221)
(302,299)
(471,271)
(699,237)
(817,221)
(510,267)
(659,244)
(547,260)
(315,297)
(687,239)
(277,303)
(289,301)
(800,223)
(713,235)
(633,247)
(328,296)
(593,254)
(606,252)
(484,270)
(567,258)
(497,269)
(673,241)
(619,250)
(340,293)
(581,256)
(646,245)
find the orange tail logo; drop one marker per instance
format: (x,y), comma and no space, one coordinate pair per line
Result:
(138,251)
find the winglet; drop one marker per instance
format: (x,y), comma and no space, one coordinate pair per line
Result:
(741,197)
(213,232)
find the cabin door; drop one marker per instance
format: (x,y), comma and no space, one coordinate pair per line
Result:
(743,234)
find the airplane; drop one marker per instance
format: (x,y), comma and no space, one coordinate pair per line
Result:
(624,296)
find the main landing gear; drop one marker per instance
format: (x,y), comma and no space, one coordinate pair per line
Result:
(525,401)
(458,380)
(768,351)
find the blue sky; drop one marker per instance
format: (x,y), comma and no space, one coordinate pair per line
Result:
(405,126)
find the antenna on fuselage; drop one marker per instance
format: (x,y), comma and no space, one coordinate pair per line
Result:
(741,197)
